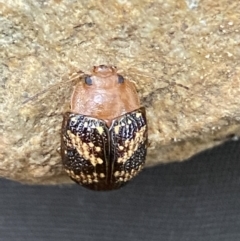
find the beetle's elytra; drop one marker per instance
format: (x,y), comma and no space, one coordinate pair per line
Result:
(104,136)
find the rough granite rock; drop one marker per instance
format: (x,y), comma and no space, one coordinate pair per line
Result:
(183,56)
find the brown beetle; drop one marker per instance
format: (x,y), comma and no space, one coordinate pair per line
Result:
(104,137)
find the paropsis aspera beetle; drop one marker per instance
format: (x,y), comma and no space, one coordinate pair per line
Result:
(104,136)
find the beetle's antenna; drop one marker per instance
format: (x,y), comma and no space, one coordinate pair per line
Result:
(166,81)
(74,76)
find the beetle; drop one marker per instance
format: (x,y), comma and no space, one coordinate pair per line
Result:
(104,135)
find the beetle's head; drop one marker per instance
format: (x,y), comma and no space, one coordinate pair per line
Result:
(104,70)
(104,76)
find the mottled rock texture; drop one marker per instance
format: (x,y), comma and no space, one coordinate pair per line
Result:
(183,56)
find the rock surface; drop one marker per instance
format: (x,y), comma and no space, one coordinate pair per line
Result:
(183,56)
